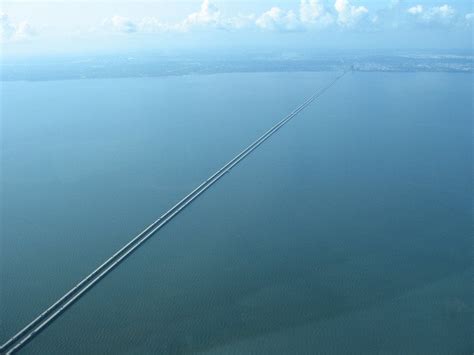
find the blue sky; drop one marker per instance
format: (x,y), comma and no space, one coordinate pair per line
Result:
(62,26)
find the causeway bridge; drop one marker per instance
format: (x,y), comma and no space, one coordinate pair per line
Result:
(32,329)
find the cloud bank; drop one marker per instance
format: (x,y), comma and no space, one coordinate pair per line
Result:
(280,20)
(119,24)
(349,15)
(308,15)
(311,15)
(444,15)
(10,31)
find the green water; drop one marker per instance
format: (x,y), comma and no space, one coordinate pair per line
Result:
(349,231)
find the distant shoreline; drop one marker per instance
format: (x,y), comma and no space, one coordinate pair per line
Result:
(165,75)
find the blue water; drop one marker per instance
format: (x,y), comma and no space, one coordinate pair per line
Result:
(347,232)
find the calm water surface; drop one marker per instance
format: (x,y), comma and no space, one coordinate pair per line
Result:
(347,232)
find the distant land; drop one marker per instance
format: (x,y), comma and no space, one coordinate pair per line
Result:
(157,64)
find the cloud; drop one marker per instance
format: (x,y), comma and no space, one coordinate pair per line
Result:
(238,22)
(7,29)
(120,24)
(469,20)
(10,31)
(443,15)
(152,25)
(390,17)
(314,13)
(280,20)
(24,30)
(208,15)
(310,15)
(349,15)
(415,10)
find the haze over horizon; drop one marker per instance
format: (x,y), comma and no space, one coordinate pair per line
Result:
(58,27)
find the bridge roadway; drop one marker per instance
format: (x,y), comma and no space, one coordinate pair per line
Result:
(33,328)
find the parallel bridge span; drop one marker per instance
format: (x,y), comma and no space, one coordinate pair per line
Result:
(32,329)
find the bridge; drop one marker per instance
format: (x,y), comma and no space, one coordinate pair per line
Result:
(32,329)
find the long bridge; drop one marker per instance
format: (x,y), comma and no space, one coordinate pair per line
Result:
(32,329)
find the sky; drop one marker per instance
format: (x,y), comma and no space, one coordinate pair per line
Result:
(64,26)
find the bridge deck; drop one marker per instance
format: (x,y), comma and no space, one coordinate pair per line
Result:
(32,329)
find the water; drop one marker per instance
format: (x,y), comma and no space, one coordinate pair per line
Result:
(348,231)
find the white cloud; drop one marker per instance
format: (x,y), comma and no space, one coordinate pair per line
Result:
(313,12)
(24,30)
(277,19)
(238,22)
(10,31)
(469,20)
(153,25)
(347,14)
(441,13)
(7,29)
(437,15)
(414,10)
(208,15)
(311,15)
(119,23)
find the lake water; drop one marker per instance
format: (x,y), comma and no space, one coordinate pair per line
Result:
(349,231)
